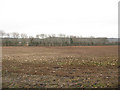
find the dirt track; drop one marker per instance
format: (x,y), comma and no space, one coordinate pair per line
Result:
(81,66)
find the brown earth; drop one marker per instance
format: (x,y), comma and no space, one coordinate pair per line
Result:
(56,67)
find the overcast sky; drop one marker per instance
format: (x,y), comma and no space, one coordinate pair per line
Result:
(97,18)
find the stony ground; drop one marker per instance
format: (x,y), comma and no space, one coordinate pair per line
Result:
(56,67)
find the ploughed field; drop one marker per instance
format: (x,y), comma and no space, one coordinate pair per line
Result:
(56,67)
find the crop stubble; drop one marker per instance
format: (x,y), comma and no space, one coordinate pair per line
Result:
(55,67)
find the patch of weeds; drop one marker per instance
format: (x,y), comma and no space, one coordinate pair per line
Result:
(16,86)
(61,63)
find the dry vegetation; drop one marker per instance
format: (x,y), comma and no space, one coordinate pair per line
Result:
(55,67)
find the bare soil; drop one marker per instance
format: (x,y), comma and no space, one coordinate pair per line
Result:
(56,67)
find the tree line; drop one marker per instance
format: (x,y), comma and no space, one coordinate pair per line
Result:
(17,39)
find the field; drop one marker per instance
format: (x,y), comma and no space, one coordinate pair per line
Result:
(56,67)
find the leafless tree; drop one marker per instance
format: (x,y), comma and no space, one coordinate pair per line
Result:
(2,33)
(61,35)
(24,35)
(42,36)
(31,38)
(37,36)
(15,35)
(24,38)
(8,35)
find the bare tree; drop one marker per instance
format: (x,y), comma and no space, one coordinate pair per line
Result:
(37,36)
(8,35)
(61,35)
(24,35)
(42,36)
(31,38)
(24,38)
(53,35)
(2,33)
(15,35)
